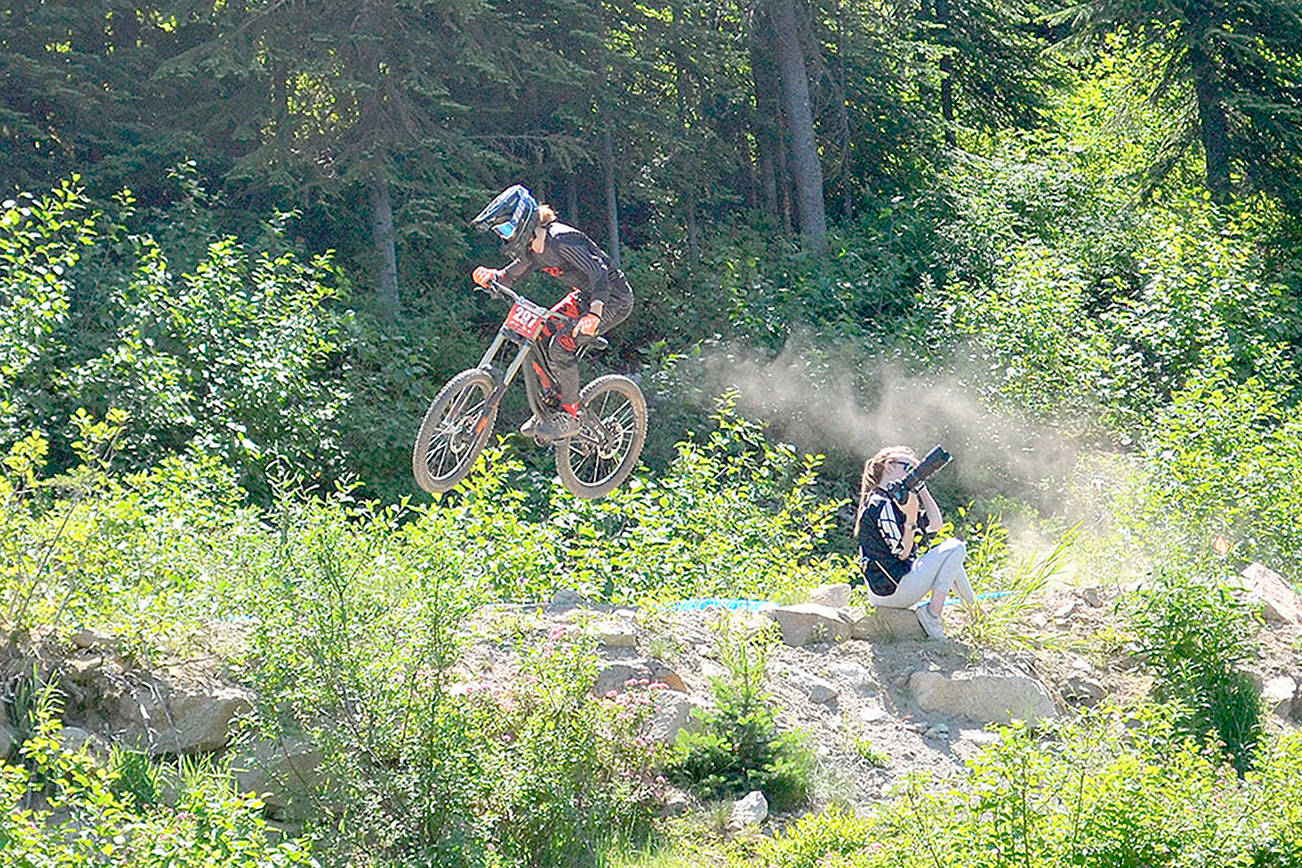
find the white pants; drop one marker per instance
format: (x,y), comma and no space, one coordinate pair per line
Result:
(939,569)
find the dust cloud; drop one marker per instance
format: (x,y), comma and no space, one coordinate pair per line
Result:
(848,414)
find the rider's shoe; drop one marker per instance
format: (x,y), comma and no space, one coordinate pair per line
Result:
(530,426)
(559,425)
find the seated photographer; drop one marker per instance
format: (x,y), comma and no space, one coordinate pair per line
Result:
(896,575)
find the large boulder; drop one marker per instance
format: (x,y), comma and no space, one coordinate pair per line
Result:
(983,698)
(283,772)
(807,623)
(1279,602)
(886,624)
(182,719)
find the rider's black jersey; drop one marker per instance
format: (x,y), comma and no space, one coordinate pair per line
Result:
(573,257)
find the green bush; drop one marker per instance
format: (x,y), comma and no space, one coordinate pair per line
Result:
(65,809)
(1112,789)
(1198,639)
(738,747)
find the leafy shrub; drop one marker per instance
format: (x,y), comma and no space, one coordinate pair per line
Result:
(41,242)
(1113,788)
(1226,458)
(1198,639)
(738,747)
(733,515)
(65,809)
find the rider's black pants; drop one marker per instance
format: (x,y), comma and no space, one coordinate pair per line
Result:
(562,347)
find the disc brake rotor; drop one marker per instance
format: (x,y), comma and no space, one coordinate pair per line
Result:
(608,448)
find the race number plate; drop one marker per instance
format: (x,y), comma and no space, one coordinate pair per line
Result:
(525,321)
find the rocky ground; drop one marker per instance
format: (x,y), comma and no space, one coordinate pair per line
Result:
(876,699)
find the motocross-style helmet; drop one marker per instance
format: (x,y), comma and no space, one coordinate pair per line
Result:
(513,215)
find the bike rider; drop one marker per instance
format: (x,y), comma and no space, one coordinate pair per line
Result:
(599,300)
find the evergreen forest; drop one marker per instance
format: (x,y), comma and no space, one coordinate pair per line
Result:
(1063,238)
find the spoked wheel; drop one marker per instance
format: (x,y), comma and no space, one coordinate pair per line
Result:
(595,461)
(455,429)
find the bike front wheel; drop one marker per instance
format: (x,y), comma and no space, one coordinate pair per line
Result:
(612,417)
(455,429)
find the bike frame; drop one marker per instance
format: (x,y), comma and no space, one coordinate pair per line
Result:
(523,324)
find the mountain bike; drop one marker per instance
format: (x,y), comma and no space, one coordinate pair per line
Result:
(590,463)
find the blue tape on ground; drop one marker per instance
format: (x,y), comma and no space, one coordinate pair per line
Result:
(720,603)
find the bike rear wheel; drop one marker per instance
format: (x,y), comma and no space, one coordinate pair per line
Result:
(612,414)
(454,430)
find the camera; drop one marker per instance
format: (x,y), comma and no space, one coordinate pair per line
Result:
(932,462)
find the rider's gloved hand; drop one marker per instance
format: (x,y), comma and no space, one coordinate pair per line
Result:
(588,324)
(484,276)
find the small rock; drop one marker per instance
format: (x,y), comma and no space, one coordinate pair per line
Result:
(834,596)
(817,689)
(872,714)
(615,635)
(1279,602)
(616,675)
(1065,611)
(1082,691)
(1277,694)
(940,730)
(672,715)
(749,811)
(284,772)
(74,738)
(978,736)
(82,669)
(676,802)
(566,598)
(91,639)
(854,676)
(1092,595)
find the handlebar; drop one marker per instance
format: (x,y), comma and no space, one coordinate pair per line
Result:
(497,289)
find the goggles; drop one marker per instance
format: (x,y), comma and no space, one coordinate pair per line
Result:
(505,230)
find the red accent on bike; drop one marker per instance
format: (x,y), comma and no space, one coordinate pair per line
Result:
(553,270)
(569,305)
(542,377)
(523,321)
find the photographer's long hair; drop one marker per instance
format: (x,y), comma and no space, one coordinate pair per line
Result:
(872,475)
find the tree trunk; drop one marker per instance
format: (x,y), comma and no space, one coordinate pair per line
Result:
(612,204)
(946,77)
(693,229)
(843,120)
(767,143)
(800,121)
(1212,126)
(688,194)
(382,238)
